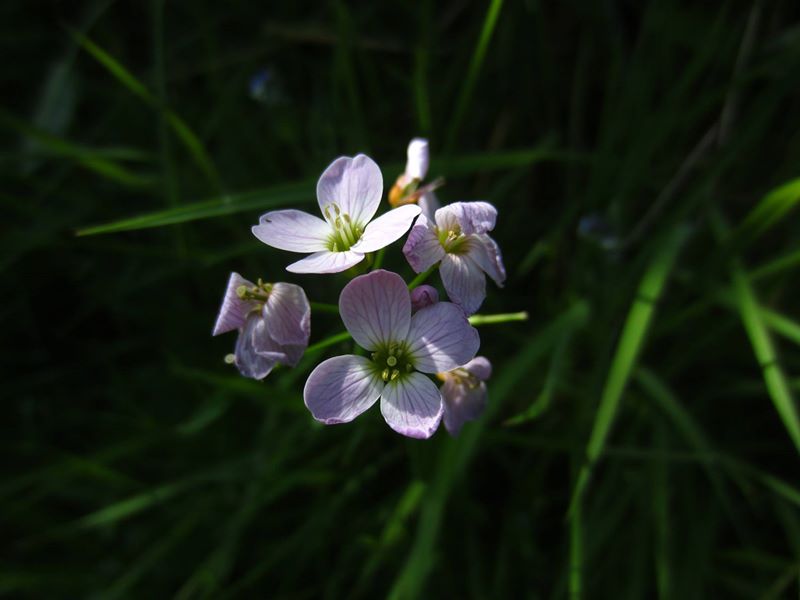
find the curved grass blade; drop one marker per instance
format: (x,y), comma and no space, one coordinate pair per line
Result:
(181,129)
(628,350)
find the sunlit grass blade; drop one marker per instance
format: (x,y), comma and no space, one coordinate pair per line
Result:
(769,211)
(235,203)
(765,352)
(628,350)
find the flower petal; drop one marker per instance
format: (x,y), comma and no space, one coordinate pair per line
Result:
(249,362)
(412,406)
(266,347)
(288,314)
(486,253)
(429,204)
(341,388)
(234,310)
(418,159)
(464,281)
(376,308)
(422,296)
(471,217)
(326,262)
(422,248)
(441,338)
(293,230)
(462,404)
(355,185)
(386,229)
(480,367)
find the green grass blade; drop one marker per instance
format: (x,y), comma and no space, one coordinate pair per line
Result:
(136,87)
(630,345)
(456,453)
(302,192)
(236,203)
(465,95)
(769,211)
(765,352)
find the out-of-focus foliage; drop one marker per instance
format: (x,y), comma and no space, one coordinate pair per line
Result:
(642,435)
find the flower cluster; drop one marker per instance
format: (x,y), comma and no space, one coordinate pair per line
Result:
(409,335)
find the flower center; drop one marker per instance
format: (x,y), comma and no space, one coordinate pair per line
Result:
(461,377)
(346,232)
(393,361)
(258,294)
(453,241)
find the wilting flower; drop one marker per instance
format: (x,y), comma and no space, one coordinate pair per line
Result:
(422,296)
(274,323)
(376,309)
(464,393)
(457,239)
(408,189)
(348,192)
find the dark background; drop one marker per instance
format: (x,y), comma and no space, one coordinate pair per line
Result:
(643,157)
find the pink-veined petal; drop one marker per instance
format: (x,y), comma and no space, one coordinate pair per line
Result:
(412,406)
(418,159)
(341,388)
(287,314)
(355,185)
(266,347)
(326,262)
(480,367)
(471,217)
(422,296)
(376,308)
(462,403)
(250,362)
(422,248)
(386,229)
(463,281)
(233,312)
(486,253)
(440,338)
(293,230)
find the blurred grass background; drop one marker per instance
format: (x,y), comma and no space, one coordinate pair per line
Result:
(642,438)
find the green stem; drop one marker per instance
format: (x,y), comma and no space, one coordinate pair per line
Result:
(378,259)
(329,341)
(479,320)
(419,279)
(323,307)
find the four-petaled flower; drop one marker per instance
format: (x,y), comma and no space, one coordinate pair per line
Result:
(274,323)
(348,192)
(407,188)
(464,393)
(376,309)
(457,239)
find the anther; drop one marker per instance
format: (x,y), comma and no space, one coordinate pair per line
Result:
(385,375)
(395,374)
(375,356)
(241,291)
